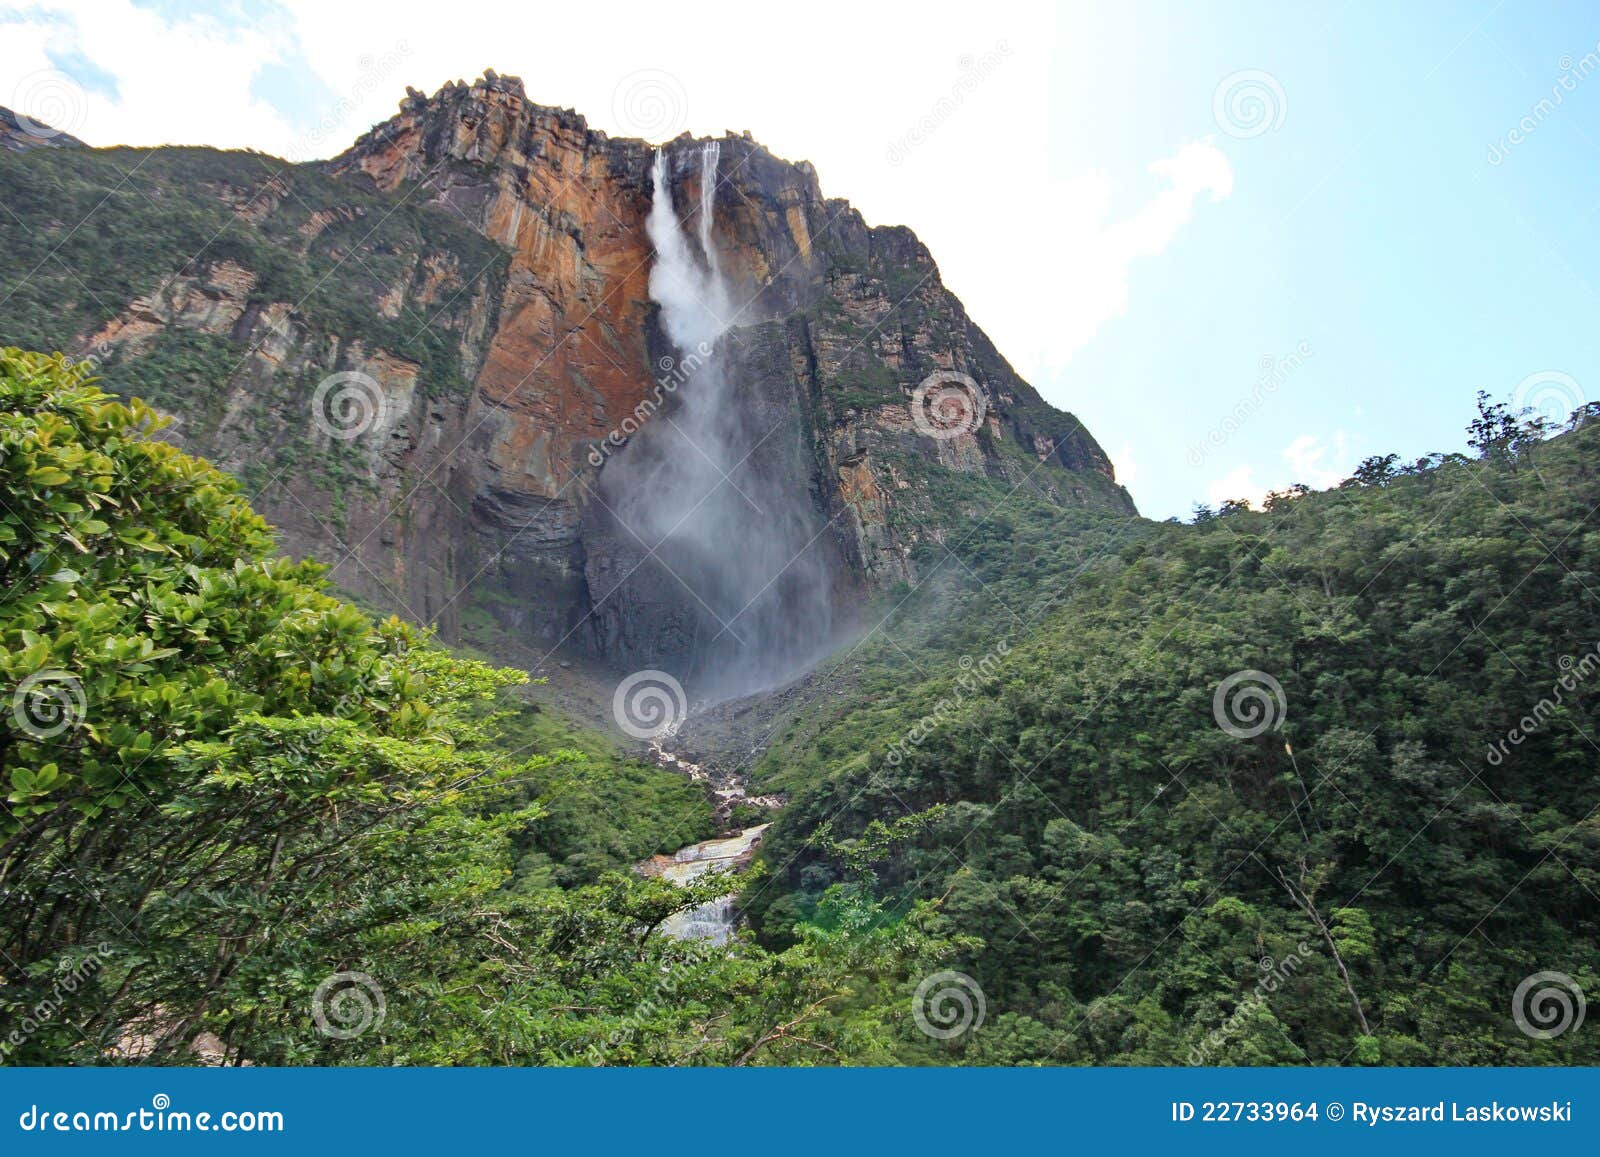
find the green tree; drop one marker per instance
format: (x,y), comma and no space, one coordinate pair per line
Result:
(240,807)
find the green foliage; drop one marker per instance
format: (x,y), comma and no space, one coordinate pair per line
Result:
(227,744)
(1130,867)
(601,810)
(229,794)
(238,806)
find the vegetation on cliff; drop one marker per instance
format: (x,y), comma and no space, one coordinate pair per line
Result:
(1311,784)
(90,230)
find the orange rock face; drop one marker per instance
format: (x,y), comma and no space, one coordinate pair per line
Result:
(567,358)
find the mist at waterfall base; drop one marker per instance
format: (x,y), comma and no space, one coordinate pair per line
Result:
(739,542)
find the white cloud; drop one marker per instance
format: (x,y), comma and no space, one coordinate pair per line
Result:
(1126,467)
(1308,459)
(1237,483)
(1069,266)
(1197,168)
(183,82)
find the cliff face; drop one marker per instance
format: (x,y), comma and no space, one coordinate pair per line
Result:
(512,372)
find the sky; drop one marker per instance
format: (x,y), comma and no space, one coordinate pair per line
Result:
(1247,244)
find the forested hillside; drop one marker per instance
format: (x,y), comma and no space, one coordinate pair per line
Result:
(1313,784)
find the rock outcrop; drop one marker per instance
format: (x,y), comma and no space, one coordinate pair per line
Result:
(20,132)
(474,481)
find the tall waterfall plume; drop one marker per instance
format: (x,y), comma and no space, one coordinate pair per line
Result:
(708,490)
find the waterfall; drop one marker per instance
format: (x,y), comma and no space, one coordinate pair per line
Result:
(713,489)
(715,919)
(694,300)
(709,156)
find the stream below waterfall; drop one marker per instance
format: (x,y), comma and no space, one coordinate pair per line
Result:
(715,919)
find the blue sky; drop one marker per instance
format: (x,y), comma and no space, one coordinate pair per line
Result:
(1370,224)
(1133,257)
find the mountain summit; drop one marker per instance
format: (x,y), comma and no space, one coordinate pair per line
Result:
(427,353)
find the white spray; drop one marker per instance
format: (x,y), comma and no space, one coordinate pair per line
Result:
(695,309)
(709,485)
